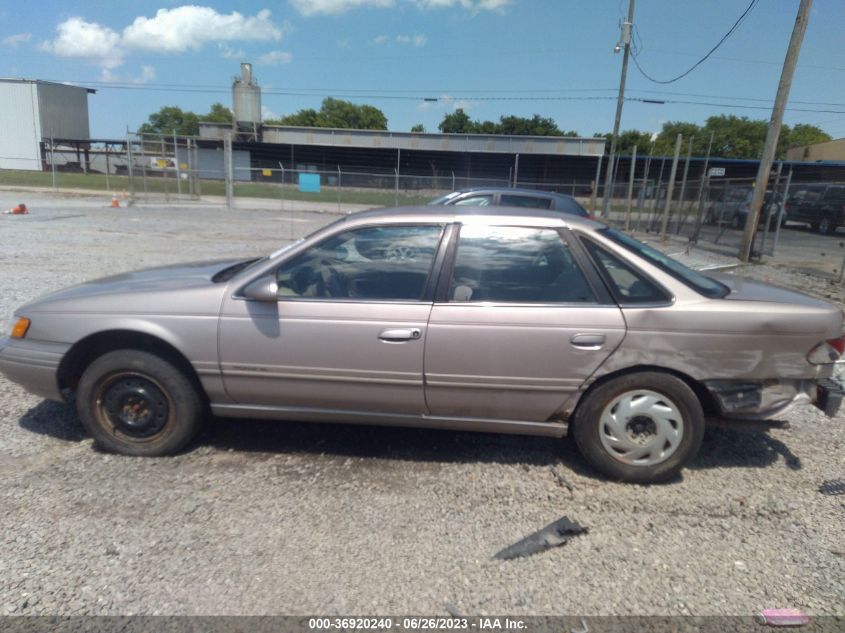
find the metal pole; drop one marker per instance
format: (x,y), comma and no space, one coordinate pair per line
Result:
(144,167)
(775,122)
(516,171)
(782,211)
(398,161)
(164,170)
(626,40)
(338,188)
(704,180)
(630,189)
(773,201)
(131,168)
(190,162)
(596,186)
(656,194)
(107,167)
(453,180)
(679,223)
(282,188)
(670,188)
(52,162)
(227,162)
(641,196)
(176,162)
(396,191)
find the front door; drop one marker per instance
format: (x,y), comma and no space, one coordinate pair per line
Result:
(520,330)
(348,329)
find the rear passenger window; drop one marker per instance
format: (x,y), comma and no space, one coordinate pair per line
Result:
(627,284)
(475,201)
(516,265)
(533,202)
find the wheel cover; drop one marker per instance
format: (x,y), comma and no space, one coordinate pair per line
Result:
(641,428)
(133,405)
(824,225)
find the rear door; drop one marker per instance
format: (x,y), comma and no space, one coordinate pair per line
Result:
(518,325)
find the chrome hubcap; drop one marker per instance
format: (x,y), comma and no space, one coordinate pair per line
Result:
(641,428)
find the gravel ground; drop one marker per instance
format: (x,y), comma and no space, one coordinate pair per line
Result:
(273,518)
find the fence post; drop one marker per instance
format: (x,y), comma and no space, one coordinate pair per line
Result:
(130,168)
(679,223)
(227,163)
(176,162)
(164,170)
(670,188)
(338,188)
(595,186)
(453,180)
(516,171)
(630,189)
(144,168)
(52,162)
(282,188)
(782,211)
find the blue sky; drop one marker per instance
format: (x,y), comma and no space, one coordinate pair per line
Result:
(491,57)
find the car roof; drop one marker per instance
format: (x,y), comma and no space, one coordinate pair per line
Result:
(516,190)
(452,213)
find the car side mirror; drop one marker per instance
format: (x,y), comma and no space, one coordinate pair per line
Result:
(262,289)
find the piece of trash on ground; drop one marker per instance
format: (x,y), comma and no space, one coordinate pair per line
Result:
(553,535)
(783,617)
(833,487)
(561,480)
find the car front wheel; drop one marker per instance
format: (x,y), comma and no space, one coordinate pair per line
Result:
(826,226)
(642,427)
(137,403)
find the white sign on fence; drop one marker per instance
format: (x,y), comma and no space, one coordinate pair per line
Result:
(716,171)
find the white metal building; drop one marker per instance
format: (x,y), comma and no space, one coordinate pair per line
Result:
(33,111)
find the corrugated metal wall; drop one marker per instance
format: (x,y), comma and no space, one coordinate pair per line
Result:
(64,111)
(20,129)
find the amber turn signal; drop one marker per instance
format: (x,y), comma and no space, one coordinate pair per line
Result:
(22,325)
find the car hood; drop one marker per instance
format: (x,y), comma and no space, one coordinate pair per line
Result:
(175,288)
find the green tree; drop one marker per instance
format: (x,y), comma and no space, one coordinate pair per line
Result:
(803,134)
(457,122)
(664,144)
(170,119)
(535,126)
(627,140)
(419,127)
(336,113)
(218,114)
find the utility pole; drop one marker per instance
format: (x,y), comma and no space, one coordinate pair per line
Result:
(625,40)
(774,127)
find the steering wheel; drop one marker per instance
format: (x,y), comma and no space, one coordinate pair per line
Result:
(334,283)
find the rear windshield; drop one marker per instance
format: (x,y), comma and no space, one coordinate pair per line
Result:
(695,280)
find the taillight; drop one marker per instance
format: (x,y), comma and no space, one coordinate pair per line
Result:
(828,351)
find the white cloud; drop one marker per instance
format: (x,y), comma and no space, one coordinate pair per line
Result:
(189,27)
(336,7)
(227,52)
(175,30)
(470,5)
(89,40)
(274,58)
(267,113)
(381,39)
(414,40)
(148,74)
(17,39)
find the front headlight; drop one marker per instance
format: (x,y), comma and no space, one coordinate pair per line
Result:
(20,327)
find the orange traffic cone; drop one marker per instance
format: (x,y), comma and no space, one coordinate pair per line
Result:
(18,210)
(115,203)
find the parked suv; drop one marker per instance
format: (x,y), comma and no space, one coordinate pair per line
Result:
(509,197)
(820,206)
(734,205)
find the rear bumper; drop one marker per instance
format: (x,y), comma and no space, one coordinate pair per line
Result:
(766,399)
(33,364)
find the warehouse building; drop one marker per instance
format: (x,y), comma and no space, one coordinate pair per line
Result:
(32,112)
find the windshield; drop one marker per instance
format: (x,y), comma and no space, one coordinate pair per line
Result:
(695,280)
(445,199)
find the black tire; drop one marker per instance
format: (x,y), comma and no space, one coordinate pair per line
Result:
(736,222)
(589,426)
(826,226)
(137,403)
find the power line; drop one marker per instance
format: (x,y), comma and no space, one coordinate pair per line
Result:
(725,37)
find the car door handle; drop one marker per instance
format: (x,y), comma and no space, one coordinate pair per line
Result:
(398,335)
(587,341)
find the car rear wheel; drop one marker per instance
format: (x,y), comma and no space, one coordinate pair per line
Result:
(641,428)
(736,222)
(137,403)
(826,225)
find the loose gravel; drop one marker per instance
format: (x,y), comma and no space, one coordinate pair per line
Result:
(274,518)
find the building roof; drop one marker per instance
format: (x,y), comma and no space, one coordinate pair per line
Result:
(20,80)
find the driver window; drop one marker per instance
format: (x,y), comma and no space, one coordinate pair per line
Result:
(372,263)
